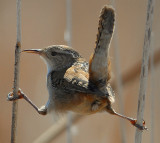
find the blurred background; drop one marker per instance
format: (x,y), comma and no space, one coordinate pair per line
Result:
(44,24)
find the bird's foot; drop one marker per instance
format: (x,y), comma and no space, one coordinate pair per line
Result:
(20,95)
(132,121)
(140,127)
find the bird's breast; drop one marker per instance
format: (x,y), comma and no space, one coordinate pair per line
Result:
(80,103)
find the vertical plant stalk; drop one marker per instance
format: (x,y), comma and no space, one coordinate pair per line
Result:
(144,69)
(16,74)
(152,85)
(68,38)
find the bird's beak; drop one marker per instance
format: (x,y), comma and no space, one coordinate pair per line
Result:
(34,51)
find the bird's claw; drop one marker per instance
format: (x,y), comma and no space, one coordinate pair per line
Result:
(140,127)
(20,95)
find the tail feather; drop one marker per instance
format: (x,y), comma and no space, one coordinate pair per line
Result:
(99,64)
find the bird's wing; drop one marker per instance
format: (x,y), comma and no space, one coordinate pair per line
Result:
(76,77)
(77,80)
(99,63)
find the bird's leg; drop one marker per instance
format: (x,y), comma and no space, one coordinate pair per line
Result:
(21,95)
(132,121)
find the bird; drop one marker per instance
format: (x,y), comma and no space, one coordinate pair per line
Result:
(77,85)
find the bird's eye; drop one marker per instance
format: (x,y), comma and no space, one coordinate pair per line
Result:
(53,53)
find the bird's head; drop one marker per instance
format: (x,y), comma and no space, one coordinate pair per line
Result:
(56,57)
